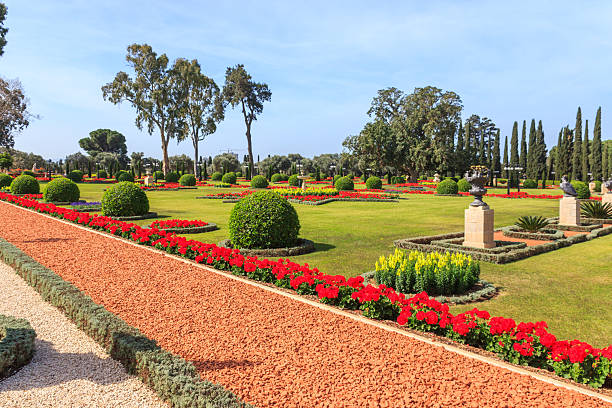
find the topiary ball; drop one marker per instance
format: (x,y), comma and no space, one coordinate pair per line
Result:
(76,176)
(5,180)
(529,183)
(276,177)
(447,187)
(259,182)
(172,177)
(374,183)
(25,184)
(582,189)
(123,175)
(62,190)
(336,178)
(263,220)
(187,180)
(216,176)
(124,199)
(344,184)
(229,178)
(158,175)
(102,174)
(294,180)
(463,185)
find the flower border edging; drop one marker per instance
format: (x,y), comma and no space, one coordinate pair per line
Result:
(304,246)
(16,344)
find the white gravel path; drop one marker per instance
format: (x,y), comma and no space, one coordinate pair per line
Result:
(69,369)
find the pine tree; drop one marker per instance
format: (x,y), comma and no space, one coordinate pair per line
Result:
(531,169)
(523,155)
(496,167)
(577,156)
(505,172)
(514,154)
(585,153)
(596,155)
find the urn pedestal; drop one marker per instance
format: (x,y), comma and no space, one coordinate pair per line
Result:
(479,222)
(569,211)
(607,198)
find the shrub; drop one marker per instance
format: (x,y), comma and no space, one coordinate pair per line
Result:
(350,175)
(455,179)
(263,220)
(374,182)
(463,185)
(158,175)
(398,180)
(102,174)
(447,187)
(238,174)
(28,173)
(336,178)
(5,180)
(596,209)
(62,190)
(124,199)
(344,184)
(276,177)
(123,175)
(76,176)
(25,184)
(172,177)
(531,223)
(502,180)
(597,186)
(529,183)
(229,178)
(187,180)
(435,273)
(17,344)
(582,189)
(216,176)
(259,182)
(294,180)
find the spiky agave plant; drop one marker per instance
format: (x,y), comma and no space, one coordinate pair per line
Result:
(531,223)
(596,209)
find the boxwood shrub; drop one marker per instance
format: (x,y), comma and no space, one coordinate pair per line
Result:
(463,185)
(447,186)
(172,177)
(16,344)
(216,176)
(263,220)
(123,175)
(374,182)
(102,174)
(597,186)
(62,190)
(158,175)
(29,173)
(5,180)
(344,184)
(398,180)
(276,177)
(259,182)
(76,176)
(529,183)
(187,180)
(294,180)
(25,184)
(582,189)
(229,178)
(124,199)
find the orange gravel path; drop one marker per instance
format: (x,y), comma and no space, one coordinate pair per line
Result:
(270,350)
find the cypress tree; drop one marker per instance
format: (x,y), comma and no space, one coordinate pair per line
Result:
(505,172)
(496,167)
(609,161)
(531,170)
(596,155)
(514,154)
(567,151)
(459,156)
(539,155)
(481,150)
(585,153)
(523,156)
(468,148)
(604,161)
(577,156)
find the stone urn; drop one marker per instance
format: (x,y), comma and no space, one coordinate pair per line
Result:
(477,179)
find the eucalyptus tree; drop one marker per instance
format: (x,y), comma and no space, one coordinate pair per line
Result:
(152,92)
(241,90)
(3,29)
(14,114)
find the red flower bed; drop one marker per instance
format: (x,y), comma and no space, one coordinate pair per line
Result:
(165,224)
(523,343)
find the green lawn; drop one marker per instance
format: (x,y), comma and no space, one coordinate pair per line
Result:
(569,288)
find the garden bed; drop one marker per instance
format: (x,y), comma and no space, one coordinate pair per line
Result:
(16,344)
(545,234)
(136,217)
(304,246)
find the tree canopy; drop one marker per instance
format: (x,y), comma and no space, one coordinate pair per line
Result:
(14,114)
(104,140)
(3,29)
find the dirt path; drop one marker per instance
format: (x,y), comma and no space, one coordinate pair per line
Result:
(271,350)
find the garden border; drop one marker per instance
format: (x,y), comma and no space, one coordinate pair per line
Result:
(191,230)
(513,231)
(16,344)
(305,247)
(146,216)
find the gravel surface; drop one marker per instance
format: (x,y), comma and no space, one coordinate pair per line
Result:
(68,369)
(269,349)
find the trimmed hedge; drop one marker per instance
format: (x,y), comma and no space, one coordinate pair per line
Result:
(447,186)
(124,199)
(158,175)
(25,184)
(172,177)
(582,189)
(216,176)
(75,175)
(61,190)
(102,174)
(171,377)
(398,180)
(276,177)
(529,183)
(123,175)
(294,180)
(187,180)
(229,178)
(16,344)
(344,184)
(259,182)
(463,185)
(5,180)
(374,183)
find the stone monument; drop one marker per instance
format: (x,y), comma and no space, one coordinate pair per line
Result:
(592,187)
(479,218)
(148,180)
(569,205)
(607,197)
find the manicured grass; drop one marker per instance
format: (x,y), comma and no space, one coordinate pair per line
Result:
(568,288)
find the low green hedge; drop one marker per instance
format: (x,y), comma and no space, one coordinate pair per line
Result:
(171,377)
(16,344)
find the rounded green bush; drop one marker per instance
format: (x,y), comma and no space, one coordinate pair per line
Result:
(216,176)
(276,177)
(336,178)
(25,184)
(187,180)
(350,175)
(447,186)
(124,199)
(597,185)
(374,182)
(463,185)
(172,177)
(62,190)
(263,220)
(582,189)
(529,183)
(229,178)
(102,174)
(238,174)
(123,175)
(28,173)
(398,180)
(344,184)
(5,180)
(294,180)
(76,176)
(158,175)
(259,182)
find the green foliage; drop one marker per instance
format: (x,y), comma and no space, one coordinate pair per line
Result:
(447,187)
(158,175)
(463,185)
(76,176)
(123,175)
(344,184)
(5,180)
(187,180)
(61,190)
(596,209)
(263,220)
(294,180)
(172,177)
(229,178)
(102,174)
(582,189)
(529,183)
(531,223)
(29,173)
(104,140)
(374,182)
(597,185)
(25,184)
(16,344)
(436,273)
(216,176)
(398,180)
(276,177)
(124,199)
(6,161)
(259,182)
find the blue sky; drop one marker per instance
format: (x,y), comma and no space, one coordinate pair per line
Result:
(323,62)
